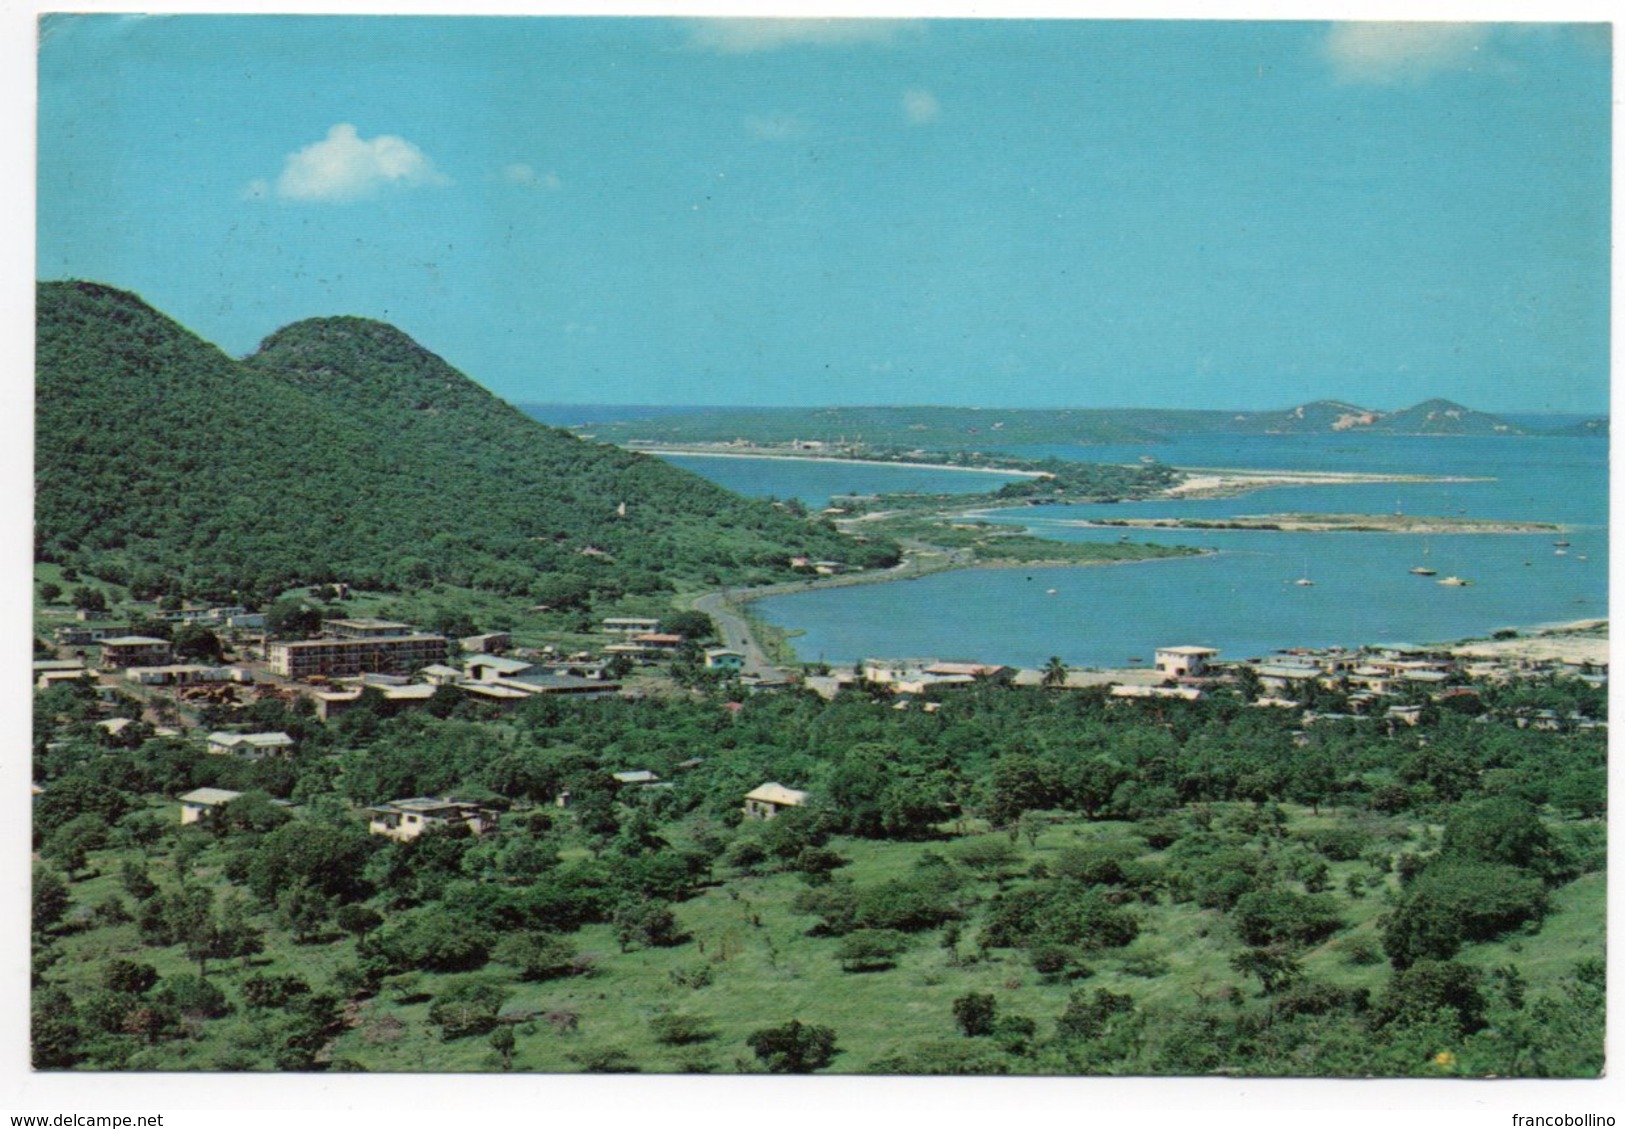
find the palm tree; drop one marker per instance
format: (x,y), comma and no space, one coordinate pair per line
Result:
(1054,672)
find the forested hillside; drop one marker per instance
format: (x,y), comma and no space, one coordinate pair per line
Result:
(343,450)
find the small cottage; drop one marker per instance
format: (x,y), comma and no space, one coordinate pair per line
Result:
(770,799)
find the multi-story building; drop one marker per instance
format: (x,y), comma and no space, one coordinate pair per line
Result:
(364,629)
(134,650)
(367,654)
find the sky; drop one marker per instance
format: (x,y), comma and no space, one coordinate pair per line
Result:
(1043,213)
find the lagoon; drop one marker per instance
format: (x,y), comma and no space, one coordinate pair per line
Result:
(1240,599)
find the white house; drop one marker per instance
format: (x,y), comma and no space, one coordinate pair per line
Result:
(403,820)
(770,799)
(251,746)
(204,802)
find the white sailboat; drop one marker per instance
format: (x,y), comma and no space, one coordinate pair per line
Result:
(1423,569)
(1304,581)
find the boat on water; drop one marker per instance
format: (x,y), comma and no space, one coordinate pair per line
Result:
(1560,552)
(1423,569)
(1561,544)
(1455,582)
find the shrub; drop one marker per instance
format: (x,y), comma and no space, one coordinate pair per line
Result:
(870,950)
(975,1013)
(129,976)
(263,991)
(677,1029)
(190,995)
(431,939)
(1450,903)
(1087,1016)
(1276,916)
(1060,913)
(1339,844)
(1428,988)
(794,1048)
(468,1008)
(537,956)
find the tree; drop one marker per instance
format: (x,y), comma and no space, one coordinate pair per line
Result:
(692,625)
(128,976)
(49,592)
(502,1042)
(238,935)
(196,642)
(1430,988)
(89,599)
(651,924)
(1054,673)
(794,1048)
(1273,965)
(976,1013)
(290,618)
(1507,831)
(1450,903)
(1277,916)
(70,845)
(50,899)
(358,919)
(537,956)
(306,912)
(1019,783)
(469,1008)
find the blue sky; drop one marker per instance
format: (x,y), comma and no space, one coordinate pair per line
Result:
(1014,213)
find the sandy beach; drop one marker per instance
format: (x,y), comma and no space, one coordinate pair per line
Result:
(1222,482)
(755,454)
(1584,641)
(1329,523)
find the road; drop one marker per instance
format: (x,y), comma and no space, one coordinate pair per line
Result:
(734,629)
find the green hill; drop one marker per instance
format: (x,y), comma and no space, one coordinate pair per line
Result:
(344,450)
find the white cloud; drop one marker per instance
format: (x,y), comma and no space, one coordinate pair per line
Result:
(343,166)
(1401,52)
(921,106)
(746,36)
(772,127)
(527,177)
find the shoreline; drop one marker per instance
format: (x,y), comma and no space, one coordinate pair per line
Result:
(1228,482)
(1200,483)
(1328,523)
(679,451)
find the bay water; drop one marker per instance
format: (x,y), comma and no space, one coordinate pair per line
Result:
(1243,597)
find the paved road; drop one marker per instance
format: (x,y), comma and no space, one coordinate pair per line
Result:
(734,629)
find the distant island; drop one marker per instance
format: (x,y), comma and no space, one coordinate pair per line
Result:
(923,429)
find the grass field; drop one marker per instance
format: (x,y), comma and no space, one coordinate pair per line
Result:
(749,962)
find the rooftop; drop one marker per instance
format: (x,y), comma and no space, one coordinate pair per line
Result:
(776,793)
(208,797)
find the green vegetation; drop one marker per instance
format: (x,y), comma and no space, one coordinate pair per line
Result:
(1021,881)
(342,450)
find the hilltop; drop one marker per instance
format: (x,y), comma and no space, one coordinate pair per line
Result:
(1431,417)
(342,449)
(926,428)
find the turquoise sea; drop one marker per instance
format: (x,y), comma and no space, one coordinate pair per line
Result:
(1241,599)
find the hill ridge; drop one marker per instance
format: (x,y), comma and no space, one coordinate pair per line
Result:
(343,449)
